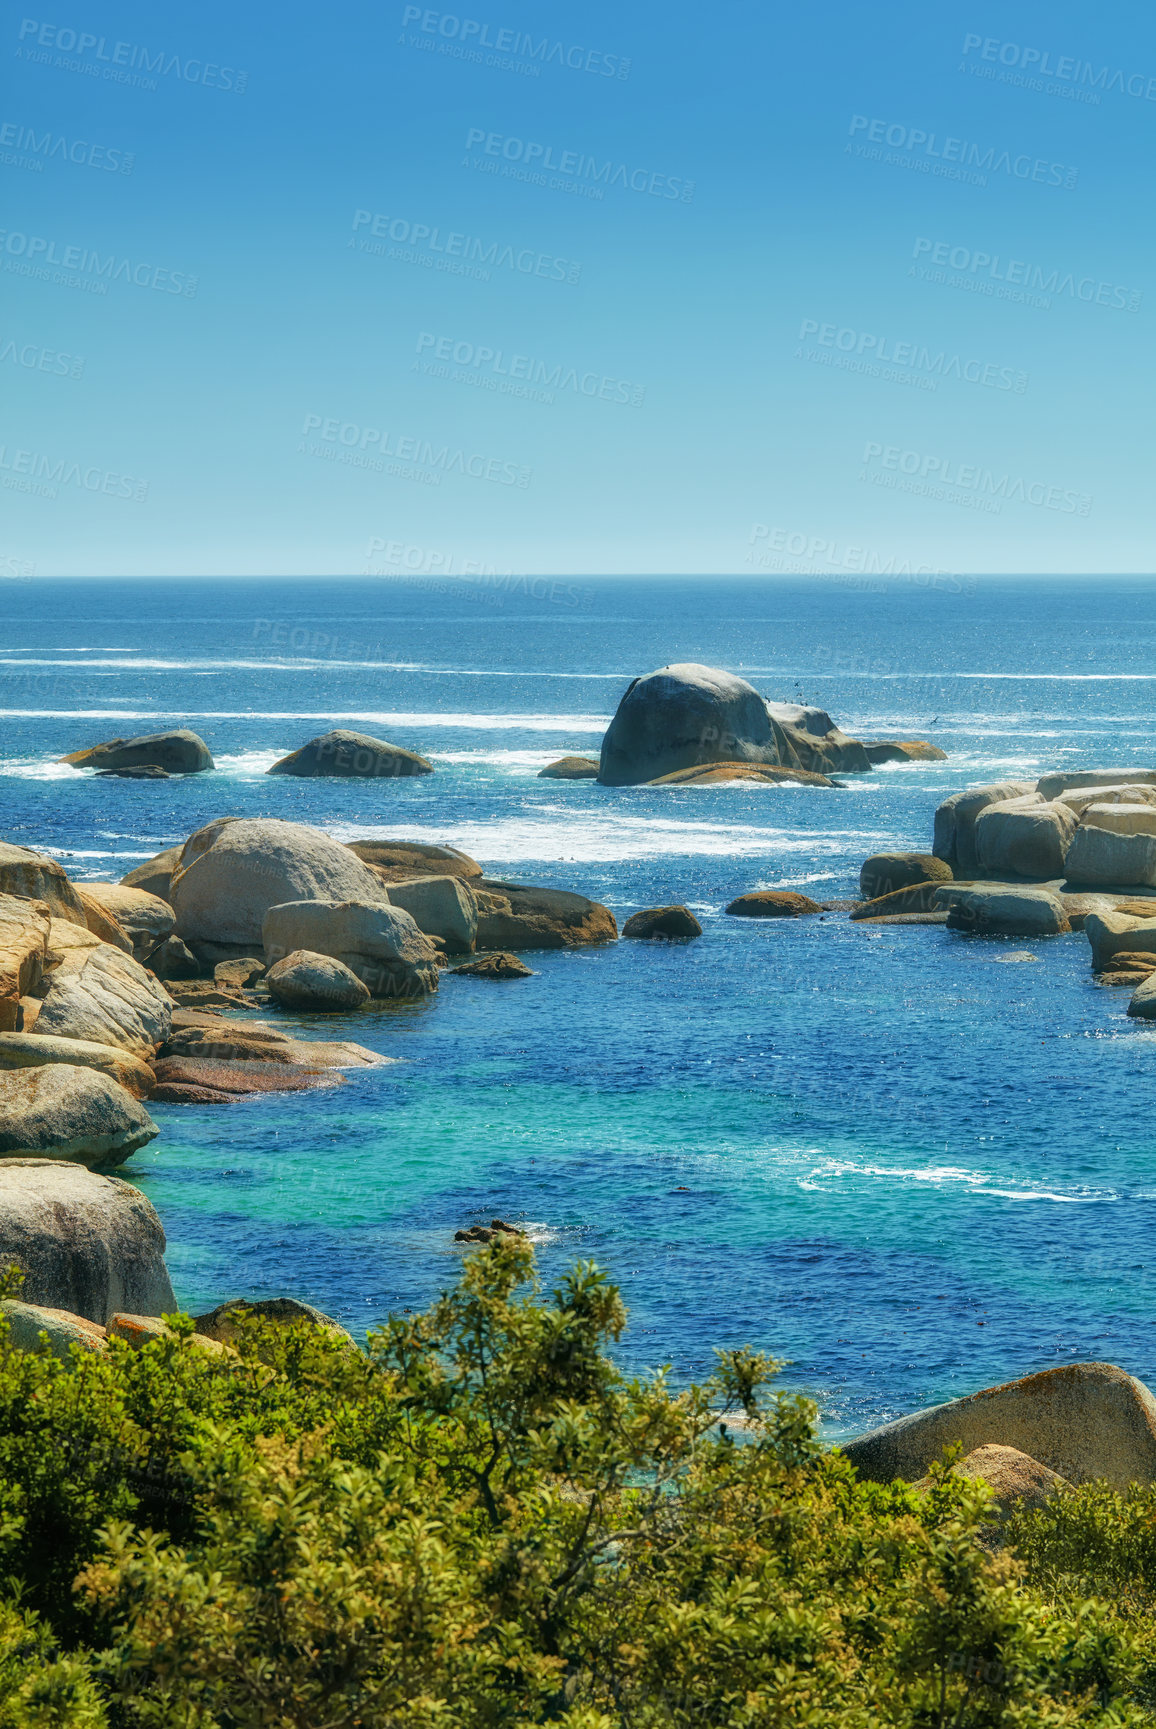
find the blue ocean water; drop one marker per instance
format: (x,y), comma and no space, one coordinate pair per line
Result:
(883,1154)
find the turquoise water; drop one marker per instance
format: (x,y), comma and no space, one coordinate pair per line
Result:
(886,1155)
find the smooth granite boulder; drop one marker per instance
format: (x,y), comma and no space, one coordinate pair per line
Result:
(155,874)
(96,993)
(442,906)
(1017,1479)
(179,751)
(315,983)
(351,755)
(1083,1421)
(233,871)
(29,1050)
(89,1244)
(1116,933)
(772,904)
(518,916)
(885,872)
(58,1111)
(1103,854)
(31,876)
(1005,911)
(668,924)
(1120,816)
(381,944)
(1050,786)
(100,922)
(212,1038)
(145,918)
(570,768)
(955,819)
(401,860)
(29,1322)
(24,926)
(1143,1004)
(919,898)
(680,717)
(1024,837)
(1081,798)
(808,738)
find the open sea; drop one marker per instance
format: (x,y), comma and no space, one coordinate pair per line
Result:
(881,1153)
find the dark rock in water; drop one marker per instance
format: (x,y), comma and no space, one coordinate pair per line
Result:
(719,773)
(396,860)
(235,1079)
(177,752)
(487,1233)
(885,872)
(517,916)
(221,1323)
(351,755)
(903,750)
(145,771)
(772,904)
(174,960)
(496,966)
(674,924)
(155,874)
(570,768)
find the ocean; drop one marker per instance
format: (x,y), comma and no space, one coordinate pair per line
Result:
(900,1164)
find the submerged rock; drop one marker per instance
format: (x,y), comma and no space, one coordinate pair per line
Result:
(720,773)
(179,752)
(772,904)
(351,755)
(670,924)
(495,966)
(60,1111)
(146,771)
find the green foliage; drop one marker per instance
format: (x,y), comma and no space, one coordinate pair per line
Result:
(479,1523)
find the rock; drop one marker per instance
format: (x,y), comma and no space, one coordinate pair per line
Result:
(917,899)
(885,872)
(351,755)
(30,876)
(809,738)
(174,960)
(101,923)
(140,1330)
(146,919)
(496,966)
(28,1322)
(1006,911)
(1025,837)
(315,982)
(188,1080)
(955,821)
(98,994)
(719,773)
(1121,980)
(221,1323)
(672,924)
(1017,1479)
(570,768)
(399,861)
(487,1233)
(772,904)
(30,1050)
(1117,933)
(237,975)
(1077,907)
(24,926)
(89,1244)
(154,874)
(1137,909)
(1017,956)
(440,906)
(1050,786)
(207,994)
(1080,799)
(932,918)
(180,752)
(518,916)
(1130,961)
(232,872)
(58,1111)
(146,771)
(380,943)
(1103,854)
(903,750)
(1086,1420)
(210,1038)
(1143,1004)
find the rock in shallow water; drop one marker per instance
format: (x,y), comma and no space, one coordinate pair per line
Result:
(58,1111)
(671,924)
(180,752)
(1009,912)
(772,904)
(570,768)
(519,916)
(885,873)
(315,982)
(351,755)
(496,966)
(396,860)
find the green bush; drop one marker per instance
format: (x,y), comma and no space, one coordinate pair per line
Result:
(481,1524)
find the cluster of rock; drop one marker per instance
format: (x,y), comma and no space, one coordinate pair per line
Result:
(342,753)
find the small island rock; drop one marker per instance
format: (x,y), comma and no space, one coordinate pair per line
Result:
(672,924)
(178,752)
(351,755)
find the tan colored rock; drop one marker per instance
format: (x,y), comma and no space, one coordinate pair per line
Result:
(1018,1480)
(1104,855)
(520,916)
(440,906)
(1116,933)
(98,994)
(1025,837)
(720,773)
(101,923)
(956,817)
(1003,911)
(63,1111)
(903,750)
(28,1323)
(570,768)
(1143,1004)
(917,899)
(29,1050)
(141,1330)
(32,876)
(885,873)
(772,904)
(352,755)
(317,983)
(191,1081)
(1086,1420)
(398,861)
(662,924)
(1050,786)
(380,943)
(227,1320)
(495,966)
(155,874)
(211,1038)
(23,951)
(145,918)
(1079,800)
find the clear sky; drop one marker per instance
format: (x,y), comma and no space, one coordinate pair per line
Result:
(544,287)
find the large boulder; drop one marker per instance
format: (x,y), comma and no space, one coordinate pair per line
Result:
(518,916)
(443,907)
(145,918)
(179,751)
(669,924)
(87,1243)
(955,819)
(30,876)
(1050,786)
(31,1050)
(1120,816)
(501,965)
(227,1320)
(885,872)
(809,738)
(102,923)
(96,993)
(24,926)
(1081,798)
(28,1323)
(1085,1420)
(1024,837)
(315,983)
(399,860)
(1006,911)
(1118,857)
(380,943)
(57,1111)
(1116,933)
(233,871)
(351,755)
(1018,1481)
(155,874)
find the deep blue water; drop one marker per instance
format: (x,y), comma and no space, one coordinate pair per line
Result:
(882,1154)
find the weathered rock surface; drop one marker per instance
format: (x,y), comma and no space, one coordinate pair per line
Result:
(1143,1004)
(1008,912)
(955,820)
(518,916)
(28,1322)
(496,966)
(440,906)
(89,1244)
(140,1330)
(398,861)
(98,994)
(211,1038)
(380,943)
(772,904)
(1082,1421)
(154,874)
(1024,837)
(24,928)
(30,1050)
(233,871)
(31,876)
(570,768)
(351,755)
(145,918)
(58,1111)
(902,750)
(1117,933)
(884,872)
(313,982)
(174,960)
(1081,799)
(188,1080)
(1050,786)
(238,975)
(1017,1479)
(719,773)
(920,898)
(102,923)
(1101,853)
(180,752)
(670,924)
(208,994)
(221,1323)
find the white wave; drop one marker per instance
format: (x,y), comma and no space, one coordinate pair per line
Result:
(35,768)
(830,1170)
(464,722)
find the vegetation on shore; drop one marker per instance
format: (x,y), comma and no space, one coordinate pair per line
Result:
(480,1523)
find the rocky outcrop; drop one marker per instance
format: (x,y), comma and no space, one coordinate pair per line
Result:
(58,1111)
(30,876)
(496,966)
(1024,837)
(226,1322)
(145,918)
(954,840)
(378,942)
(772,904)
(315,983)
(920,898)
(96,993)
(30,1050)
(189,1081)
(211,1038)
(141,1330)
(518,916)
(399,861)
(1005,911)
(233,871)
(1050,786)
(1086,1420)
(809,738)
(1018,1481)
(440,906)
(179,751)
(720,773)
(884,872)
(89,1244)
(570,768)
(102,923)
(28,1323)
(902,750)
(672,924)
(24,926)
(351,755)
(175,961)
(155,874)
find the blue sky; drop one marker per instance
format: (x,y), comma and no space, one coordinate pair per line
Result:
(570,289)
